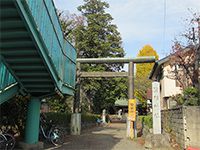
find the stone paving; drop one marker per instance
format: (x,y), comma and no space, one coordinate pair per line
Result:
(112,137)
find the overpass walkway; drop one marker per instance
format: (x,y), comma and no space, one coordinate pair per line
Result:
(35,58)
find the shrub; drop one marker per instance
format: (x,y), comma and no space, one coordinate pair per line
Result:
(191,96)
(147,120)
(13,113)
(89,118)
(179,99)
(57,104)
(61,119)
(64,119)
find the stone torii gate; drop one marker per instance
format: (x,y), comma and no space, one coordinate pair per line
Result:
(129,74)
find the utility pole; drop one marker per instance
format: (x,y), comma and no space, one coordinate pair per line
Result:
(197,55)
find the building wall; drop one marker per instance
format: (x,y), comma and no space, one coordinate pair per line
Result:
(168,87)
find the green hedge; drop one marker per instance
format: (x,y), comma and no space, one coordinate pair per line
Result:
(89,118)
(61,119)
(147,120)
(190,97)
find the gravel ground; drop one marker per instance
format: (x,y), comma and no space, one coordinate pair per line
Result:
(112,137)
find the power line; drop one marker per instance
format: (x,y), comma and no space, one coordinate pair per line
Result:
(164,26)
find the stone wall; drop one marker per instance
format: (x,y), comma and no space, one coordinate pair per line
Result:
(172,122)
(192,126)
(184,124)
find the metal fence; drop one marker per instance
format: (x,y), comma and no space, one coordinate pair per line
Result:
(61,52)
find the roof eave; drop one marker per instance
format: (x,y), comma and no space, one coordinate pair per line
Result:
(157,67)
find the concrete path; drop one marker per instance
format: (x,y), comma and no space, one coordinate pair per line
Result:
(112,137)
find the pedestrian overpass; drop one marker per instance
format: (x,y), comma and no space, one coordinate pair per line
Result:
(35,57)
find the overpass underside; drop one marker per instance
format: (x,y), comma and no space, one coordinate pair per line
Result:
(35,58)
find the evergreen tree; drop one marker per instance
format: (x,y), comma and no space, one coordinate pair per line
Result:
(101,38)
(97,37)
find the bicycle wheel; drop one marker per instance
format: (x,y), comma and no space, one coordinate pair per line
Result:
(10,143)
(56,136)
(2,142)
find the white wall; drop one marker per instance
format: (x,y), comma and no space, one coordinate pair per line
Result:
(168,85)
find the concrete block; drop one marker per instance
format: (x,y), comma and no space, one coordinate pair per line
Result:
(76,124)
(155,141)
(26,146)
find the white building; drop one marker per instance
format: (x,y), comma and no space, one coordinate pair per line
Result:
(168,86)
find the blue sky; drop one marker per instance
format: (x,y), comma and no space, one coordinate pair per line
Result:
(141,22)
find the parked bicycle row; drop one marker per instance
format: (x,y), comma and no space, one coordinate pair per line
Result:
(48,132)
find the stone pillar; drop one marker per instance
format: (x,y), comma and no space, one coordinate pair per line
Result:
(120,113)
(32,122)
(128,127)
(104,116)
(76,124)
(77,92)
(156,108)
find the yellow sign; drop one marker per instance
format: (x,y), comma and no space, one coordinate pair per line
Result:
(132,109)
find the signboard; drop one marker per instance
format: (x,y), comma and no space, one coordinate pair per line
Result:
(132,109)
(156,108)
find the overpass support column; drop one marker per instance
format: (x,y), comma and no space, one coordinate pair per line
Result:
(32,122)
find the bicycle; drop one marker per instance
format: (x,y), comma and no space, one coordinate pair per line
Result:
(7,141)
(51,132)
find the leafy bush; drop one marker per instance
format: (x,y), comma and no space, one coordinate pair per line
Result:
(64,119)
(190,97)
(179,99)
(58,104)
(61,119)
(89,118)
(147,120)
(13,113)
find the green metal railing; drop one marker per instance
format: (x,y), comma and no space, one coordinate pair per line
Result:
(61,52)
(6,78)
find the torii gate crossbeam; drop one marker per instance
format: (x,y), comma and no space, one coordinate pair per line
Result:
(144,59)
(130,74)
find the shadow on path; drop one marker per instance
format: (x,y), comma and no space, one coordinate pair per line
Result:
(111,137)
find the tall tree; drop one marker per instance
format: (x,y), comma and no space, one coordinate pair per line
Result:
(185,56)
(101,38)
(142,83)
(97,37)
(182,63)
(70,23)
